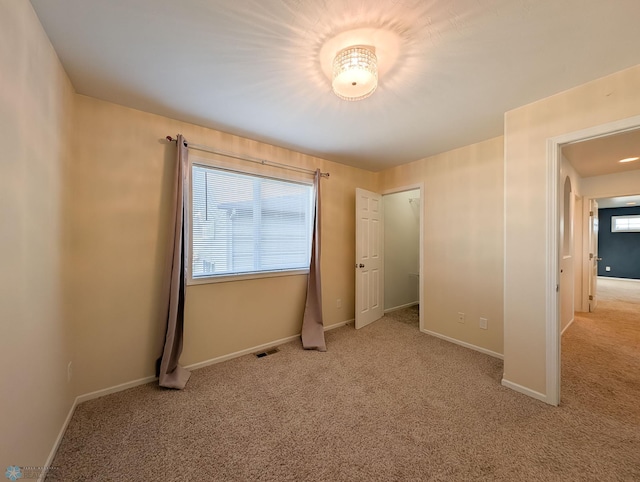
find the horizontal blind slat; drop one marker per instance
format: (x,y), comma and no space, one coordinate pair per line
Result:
(244,223)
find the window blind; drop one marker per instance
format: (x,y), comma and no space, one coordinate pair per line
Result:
(243,223)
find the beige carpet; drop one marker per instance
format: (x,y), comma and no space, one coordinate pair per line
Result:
(601,356)
(384,403)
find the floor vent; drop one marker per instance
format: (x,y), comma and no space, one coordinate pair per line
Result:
(268,352)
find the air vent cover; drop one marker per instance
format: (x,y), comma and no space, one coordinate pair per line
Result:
(268,352)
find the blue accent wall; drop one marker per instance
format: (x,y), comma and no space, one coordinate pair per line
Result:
(620,251)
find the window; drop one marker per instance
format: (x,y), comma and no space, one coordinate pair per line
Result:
(625,224)
(242,223)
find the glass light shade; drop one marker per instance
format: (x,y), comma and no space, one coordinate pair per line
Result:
(355,73)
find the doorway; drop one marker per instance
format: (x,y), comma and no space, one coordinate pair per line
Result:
(557,193)
(402,255)
(371,301)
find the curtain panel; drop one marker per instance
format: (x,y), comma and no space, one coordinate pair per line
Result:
(170,373)
(312,322)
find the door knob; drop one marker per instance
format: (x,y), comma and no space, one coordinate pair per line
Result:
(598,259)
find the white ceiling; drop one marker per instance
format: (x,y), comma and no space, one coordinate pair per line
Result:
(252,67)
(600,156)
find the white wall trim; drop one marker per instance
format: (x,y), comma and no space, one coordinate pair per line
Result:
(406,305)
(464,344)
(340,324)
(568,325)
(552,281)
(524,390)
(142,381)
(83,398)
(554,145)
(586,264)
(246,351)
(631,280)
(56,444)
(254,349)
(410,187)
(115,389)
(264,346)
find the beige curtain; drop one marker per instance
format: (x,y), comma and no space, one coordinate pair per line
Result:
(312,324)
(170,374)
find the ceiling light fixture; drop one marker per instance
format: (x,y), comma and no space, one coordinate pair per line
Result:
(355,72)
(629,159)
(631,204)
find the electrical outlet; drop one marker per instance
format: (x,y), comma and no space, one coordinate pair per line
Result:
(69,371)
(460,317)
(483,323)
(608,268)
(338,303)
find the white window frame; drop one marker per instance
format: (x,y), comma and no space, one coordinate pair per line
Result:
(628,216)
(225,278)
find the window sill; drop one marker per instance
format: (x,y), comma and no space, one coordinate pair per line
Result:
(245,276)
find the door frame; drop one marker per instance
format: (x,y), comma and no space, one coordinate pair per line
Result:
(553,247)
(591,264)
(411,187)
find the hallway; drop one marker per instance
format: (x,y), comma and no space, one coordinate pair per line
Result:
(601,355)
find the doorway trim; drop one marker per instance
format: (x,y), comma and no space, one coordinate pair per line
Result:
(411,187)
(552,282)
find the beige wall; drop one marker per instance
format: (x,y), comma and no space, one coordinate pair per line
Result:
(120,183)
(83,242)
(35,112)
(463,232)
(401,248)
(526,132)
(611,185)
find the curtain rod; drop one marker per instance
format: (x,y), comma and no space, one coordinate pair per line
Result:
(264,162)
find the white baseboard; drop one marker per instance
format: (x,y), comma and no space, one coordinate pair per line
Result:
(407,305)
(264,346)
(114,389)
(566,327)
(56,444)
(83,398)
(195,366)
(633,280)
(236,354)
(524,390)
(142,381)
(338,325)
(464,344)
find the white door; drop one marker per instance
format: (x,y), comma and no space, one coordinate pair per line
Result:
(593,254)
(369,258)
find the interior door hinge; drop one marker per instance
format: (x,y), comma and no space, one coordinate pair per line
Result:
(590,255)
(590,297)
(590,213)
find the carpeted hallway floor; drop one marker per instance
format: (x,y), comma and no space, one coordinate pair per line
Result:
(601,356)
(384,403)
